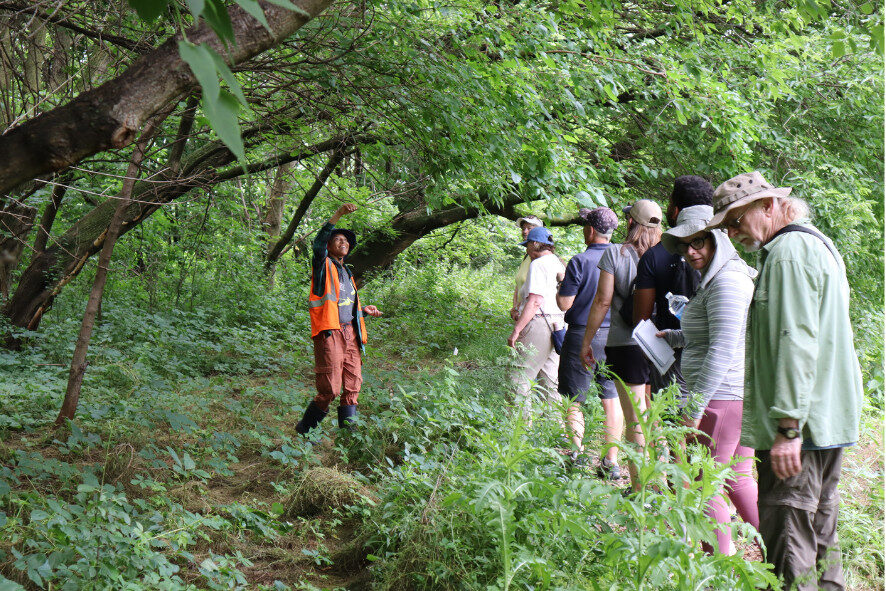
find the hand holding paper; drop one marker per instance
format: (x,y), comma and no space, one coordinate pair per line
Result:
(656,349)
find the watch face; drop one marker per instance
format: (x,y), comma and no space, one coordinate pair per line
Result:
(789,433)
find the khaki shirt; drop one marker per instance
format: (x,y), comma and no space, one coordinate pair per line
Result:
(800,357)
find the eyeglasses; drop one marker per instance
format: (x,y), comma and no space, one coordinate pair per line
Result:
(696,244)
(734,224)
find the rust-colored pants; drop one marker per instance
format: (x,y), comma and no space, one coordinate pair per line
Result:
(338,367)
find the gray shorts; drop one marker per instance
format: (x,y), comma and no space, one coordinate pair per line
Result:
(573,377)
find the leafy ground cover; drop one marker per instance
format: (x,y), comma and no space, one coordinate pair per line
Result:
(183,470)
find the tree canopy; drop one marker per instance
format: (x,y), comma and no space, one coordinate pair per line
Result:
(432,113)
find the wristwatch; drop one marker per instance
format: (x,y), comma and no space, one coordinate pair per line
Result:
(789,432)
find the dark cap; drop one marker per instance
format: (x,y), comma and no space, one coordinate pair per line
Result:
(602,219)
(351,237)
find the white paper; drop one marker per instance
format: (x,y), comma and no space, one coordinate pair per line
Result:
(657,350)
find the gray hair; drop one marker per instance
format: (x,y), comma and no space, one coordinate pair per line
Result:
(794,208)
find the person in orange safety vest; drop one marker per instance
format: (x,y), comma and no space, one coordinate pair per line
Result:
(338,328)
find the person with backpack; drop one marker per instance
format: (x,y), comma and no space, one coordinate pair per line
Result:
(712,338)
(660,272)
(618,269)
(803,387)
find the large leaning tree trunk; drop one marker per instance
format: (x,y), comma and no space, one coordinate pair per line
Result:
(379,249)
(62,260)
(111,115)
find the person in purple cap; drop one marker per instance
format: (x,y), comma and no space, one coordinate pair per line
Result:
(575,297)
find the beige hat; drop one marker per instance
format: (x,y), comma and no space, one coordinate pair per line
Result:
(645,212)
(741,190)
(690,221)
(531,220)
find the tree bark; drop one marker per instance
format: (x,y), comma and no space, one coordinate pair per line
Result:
(93,305)
(16,221)
(110,115)
(48,219)
(381,247)
(277,249)
(63,260)
(273,218)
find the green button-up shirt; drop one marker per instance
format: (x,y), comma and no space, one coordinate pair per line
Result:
(800,358)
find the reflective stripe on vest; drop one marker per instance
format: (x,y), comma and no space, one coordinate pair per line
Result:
(324,309)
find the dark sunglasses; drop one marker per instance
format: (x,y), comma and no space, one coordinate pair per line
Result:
(696,244)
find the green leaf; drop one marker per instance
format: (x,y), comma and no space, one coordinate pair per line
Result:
(838,49)
(196,7)
(218,18)
(228,76)
(199,58)
(277,509)
(7,585)
(867,8)
(222,114)
(296,9)
(148,10)
(38,515)
(253,8)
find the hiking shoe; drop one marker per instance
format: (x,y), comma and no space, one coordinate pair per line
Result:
(578,461)
(608,471)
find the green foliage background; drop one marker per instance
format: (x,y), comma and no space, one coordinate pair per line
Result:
(199,366)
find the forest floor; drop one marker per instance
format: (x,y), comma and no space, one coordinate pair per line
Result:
(289,535)
(183,470)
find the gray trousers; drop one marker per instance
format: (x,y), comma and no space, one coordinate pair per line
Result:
(798,520)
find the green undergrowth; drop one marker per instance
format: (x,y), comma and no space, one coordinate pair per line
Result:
(183,469)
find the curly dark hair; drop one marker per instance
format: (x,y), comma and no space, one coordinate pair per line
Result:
(691,190)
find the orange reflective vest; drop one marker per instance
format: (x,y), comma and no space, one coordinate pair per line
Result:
(324,308)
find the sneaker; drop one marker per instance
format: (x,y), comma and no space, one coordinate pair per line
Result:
(578,461)
(608,471)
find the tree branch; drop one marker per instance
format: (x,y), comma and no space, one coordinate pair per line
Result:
(110,115)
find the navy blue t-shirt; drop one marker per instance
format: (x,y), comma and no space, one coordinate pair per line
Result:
(656,270)
(581,280)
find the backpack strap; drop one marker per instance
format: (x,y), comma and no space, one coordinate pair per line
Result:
(805,230)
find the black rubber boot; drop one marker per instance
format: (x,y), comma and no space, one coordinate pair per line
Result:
(346,414)
(313,416)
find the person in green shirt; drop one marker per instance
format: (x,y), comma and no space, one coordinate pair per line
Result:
(803,388)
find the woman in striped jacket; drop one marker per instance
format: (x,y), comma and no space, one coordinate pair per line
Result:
(712,334)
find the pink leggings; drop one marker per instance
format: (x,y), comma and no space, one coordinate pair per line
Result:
(721,423)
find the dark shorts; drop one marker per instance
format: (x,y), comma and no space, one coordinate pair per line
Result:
(659,382)
(573,377)
(628,363)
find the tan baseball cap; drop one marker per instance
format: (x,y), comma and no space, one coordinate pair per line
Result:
(645,212)
(741,190)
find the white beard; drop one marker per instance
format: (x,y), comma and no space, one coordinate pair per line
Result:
(751,246)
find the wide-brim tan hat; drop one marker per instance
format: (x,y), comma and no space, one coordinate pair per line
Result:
(692,220)
(741,190)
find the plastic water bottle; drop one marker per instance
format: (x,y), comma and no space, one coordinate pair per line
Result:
(676,304)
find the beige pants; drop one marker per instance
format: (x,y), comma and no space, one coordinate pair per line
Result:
(538,362)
